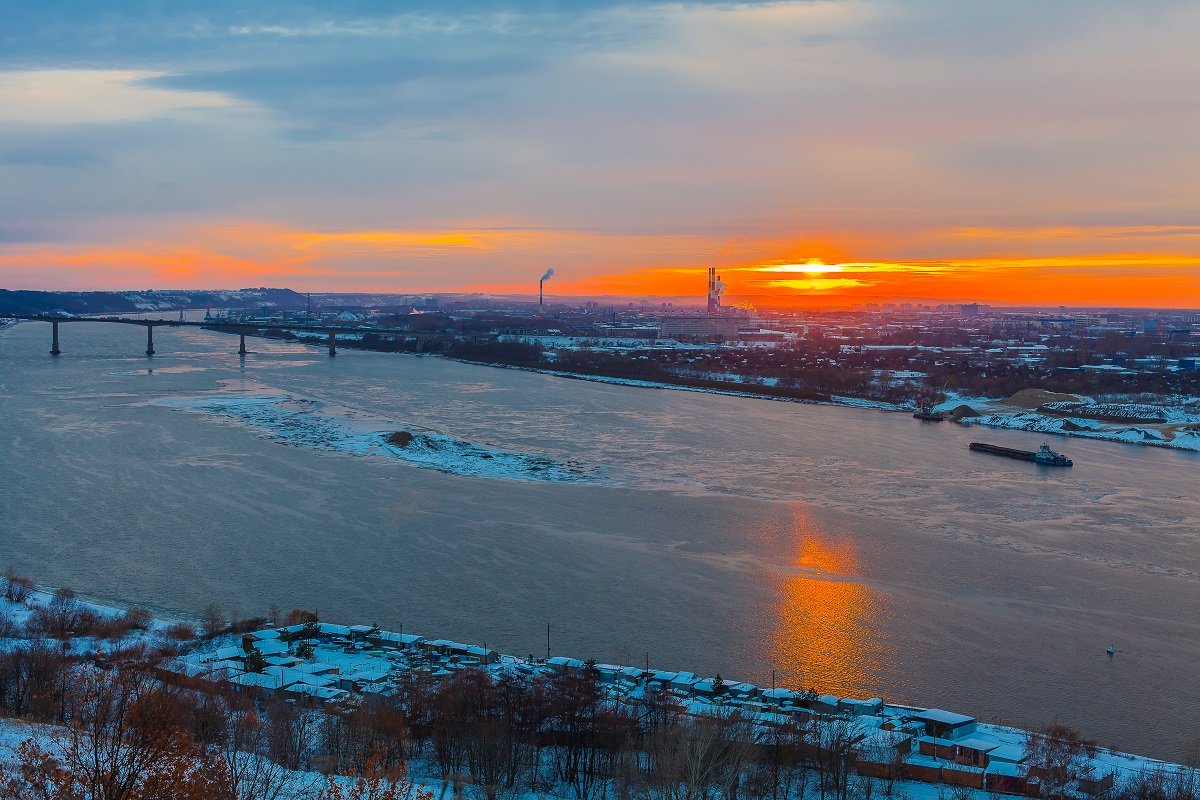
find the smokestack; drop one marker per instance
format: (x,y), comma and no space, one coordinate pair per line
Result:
(547,275)
(715,290)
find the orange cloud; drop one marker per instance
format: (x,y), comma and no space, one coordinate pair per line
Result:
(1078,232)
(766,271)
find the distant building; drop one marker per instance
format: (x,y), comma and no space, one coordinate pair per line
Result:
(706,328)
(613,330)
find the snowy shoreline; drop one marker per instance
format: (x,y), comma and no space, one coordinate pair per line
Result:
(212,658)
(1028,420)
(1173,426)
(835,400)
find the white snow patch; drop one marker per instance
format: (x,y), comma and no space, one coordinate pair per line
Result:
(303,423)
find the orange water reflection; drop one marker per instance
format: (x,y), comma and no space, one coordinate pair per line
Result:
(831,625)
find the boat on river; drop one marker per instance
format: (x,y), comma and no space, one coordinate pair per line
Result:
(1043,455)
(927,414)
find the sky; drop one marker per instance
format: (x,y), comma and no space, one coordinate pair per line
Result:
(815,152)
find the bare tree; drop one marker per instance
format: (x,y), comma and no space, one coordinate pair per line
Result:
(121,743)
(833,741)
(245,749)
(17,588)
(213,620)
(1057,756)
(1160,784)
(291,733)
(33,681)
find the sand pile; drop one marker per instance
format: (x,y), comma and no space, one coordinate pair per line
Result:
(1032,398)
(962,412)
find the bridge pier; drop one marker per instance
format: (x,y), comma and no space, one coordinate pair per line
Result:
(242,345)
(54,351)
(332,343)
(149,340)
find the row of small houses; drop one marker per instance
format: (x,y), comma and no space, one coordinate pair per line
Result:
(929,745)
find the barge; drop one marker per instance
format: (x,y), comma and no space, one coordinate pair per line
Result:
(1043,455)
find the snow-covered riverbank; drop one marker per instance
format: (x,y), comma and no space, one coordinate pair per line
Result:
(850,402)
(1179,427)
(1174,423)
(318,665)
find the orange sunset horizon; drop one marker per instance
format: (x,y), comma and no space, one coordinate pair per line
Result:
(767,272)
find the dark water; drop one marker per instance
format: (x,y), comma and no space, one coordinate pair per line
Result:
(860,552)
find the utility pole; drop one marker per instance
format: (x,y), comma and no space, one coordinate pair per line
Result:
(547,641)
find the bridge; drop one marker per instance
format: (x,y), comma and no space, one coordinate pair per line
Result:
(231,326)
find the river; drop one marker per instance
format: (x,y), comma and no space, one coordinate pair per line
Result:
(859,552)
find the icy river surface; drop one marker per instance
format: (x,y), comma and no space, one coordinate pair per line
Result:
(856,551)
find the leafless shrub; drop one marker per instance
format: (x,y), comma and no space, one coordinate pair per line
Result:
(17,588)
(181,632)
(138,618)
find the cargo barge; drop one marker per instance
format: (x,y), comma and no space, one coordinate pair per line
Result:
(1043,455)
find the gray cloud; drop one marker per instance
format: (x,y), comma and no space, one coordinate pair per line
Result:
(329,96)
(694,118)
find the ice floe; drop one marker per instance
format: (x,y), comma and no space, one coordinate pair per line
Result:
(305,423)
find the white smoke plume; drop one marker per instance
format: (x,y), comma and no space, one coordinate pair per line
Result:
(548,274)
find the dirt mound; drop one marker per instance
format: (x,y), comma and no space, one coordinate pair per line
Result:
(1032,398)
(400,438)
(962,412)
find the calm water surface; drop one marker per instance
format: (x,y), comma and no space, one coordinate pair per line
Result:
(859,552)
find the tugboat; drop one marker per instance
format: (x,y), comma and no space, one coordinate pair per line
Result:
(926,413)
(1043,455)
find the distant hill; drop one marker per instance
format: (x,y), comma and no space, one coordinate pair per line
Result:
(86,303)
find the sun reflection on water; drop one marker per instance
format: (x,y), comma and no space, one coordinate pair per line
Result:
(830,630)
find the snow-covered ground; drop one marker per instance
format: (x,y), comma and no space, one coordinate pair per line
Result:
(19,615)
(615,344)
(305,423)
(1174,423)
(367,660)
(424,776)
(322,338)
(360,660)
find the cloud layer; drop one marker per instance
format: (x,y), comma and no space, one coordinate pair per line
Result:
(470,144)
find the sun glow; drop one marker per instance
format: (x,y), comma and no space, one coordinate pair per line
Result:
(813,284)
(814,266)
(496,257)
(830,630)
